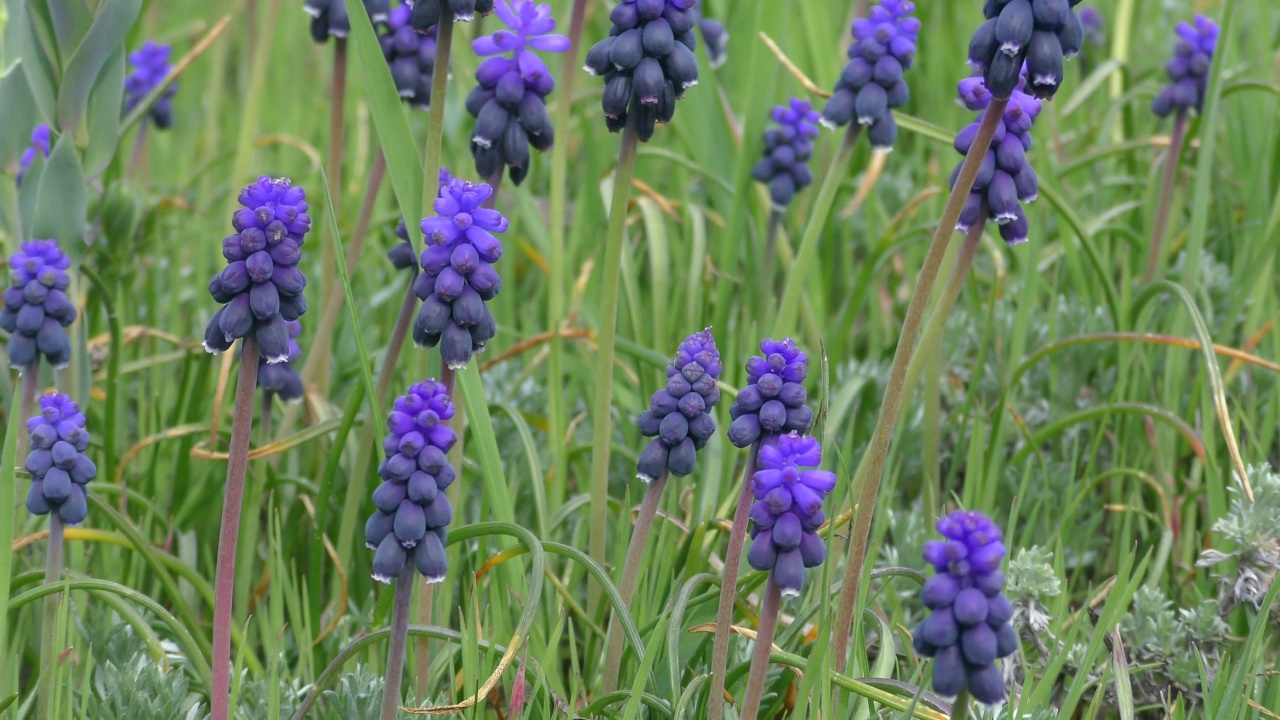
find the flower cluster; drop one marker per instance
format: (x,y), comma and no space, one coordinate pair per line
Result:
(261,285)
(329,17)
(457,273)
(411,56)
(788,510)
(41,138)
(1037,33)
(679,416)
(150,68)
(36,307)
(772,403)
(509,104)
(57,463)
(968,625)
(871,84)
(401,254)
(427,13)
(1188,69)
(1006,179)
(787,149)
(716,38)
(647,62)
(413,511)
(282,378)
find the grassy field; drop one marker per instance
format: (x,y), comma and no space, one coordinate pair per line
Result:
(1101,418)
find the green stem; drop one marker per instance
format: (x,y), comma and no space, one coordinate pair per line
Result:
(48,638)
(30,389)
(332,292)
(960,708)
(114,359)
(399,642)
(871,467)
(602,407)
(435,116)
(771,251)
(729,589)
(763,649)
(251,528)
(1166,196)
(630,575)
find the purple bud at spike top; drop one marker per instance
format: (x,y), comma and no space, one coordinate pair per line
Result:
(282,378)
(789,491)
(427,13)
(968,626)
(1039,34)
(410,55)
(787,149)
(40,145)
(57,462)
(1188,70)
(329,17)
(773,401)
(412,515)
(150,67)
(872,83)
(36,307)
(679,416)
(262,292)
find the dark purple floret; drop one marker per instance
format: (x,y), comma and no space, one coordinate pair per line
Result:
(413,513)
(647,62)
(457,276)
(787,149)
(1188,70)
(872,83)
(150,68)
(789,491)
(773,401)
(401,255)
(261,287)
(427,13)
(59,467)
(679,415)
(1093,25)
(411,56)
(41,138)
(36,307)
(716,38)
(968,626)
(282,378)
(1039,34)
(329,17)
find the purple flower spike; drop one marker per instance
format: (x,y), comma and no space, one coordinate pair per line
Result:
(1039,34)
(679,415)
(41,139)
(401,255)
(261,286)
(412,516)
(329,17)
(716,38)
(427,13)
(150,68)
(59,467)
(36,307)
(1188,70)
(773,402)
(789,491)
(411,56)
(457,276)
(872,83)
(282,378)
(787,149)
(968,626)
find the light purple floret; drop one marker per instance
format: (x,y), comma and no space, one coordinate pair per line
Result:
(789,490)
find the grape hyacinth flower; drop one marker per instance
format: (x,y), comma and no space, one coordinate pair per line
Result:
(787,149)
(1094,25)
(329,17)
(36,307)
(57,462)
(457,276)
(41,139)
(968,626)
(1037,33)
(509,104)
(1006,179)
(773,402)
(150,68)
(872,83)
(261,286)
(716,37)
(679,416)
(401,254)
(427,13)
(413,512)
(282,378)
(411,56)
(1188,70)
(647,62)
(785,518)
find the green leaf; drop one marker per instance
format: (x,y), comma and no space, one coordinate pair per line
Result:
(8,500)
(104,115)
(496,492)
(37,66)
(61,201)
(104,39)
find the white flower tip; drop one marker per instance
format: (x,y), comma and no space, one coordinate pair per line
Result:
(1030,198)
(455,365)
(275,359)
(483,142)
(435,579)
(211,351)
(407,93)
(589,71)
(689,84)
(1045,80)
(378,17)
(338,33)
(790,592)
(1005,218)
(882,149)
(298,401)
(645,478)
(384,579)
(827,123)
(866,120)
(1011,49)
(1016,242)
(962,227)
(313,12)
(464,17)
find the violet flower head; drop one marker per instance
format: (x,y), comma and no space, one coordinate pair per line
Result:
(261,286)
(427,13)
(1006,179)
(716,37)
(411,56)
(41,143)
(968,626)
(413,513)
(872,82)
(1094,25)
(647,62)
(789,490)
(329,17)
(59,467)
(1188,69)
(773,402)
(679,415)
(401,254)
(282,378)
(150,68)
(509,103)
(787,149)
(1039,34)
(36,307)
(457,276)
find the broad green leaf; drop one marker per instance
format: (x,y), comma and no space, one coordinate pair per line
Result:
(104,115)
(37,67)
(104,39)
(61,201)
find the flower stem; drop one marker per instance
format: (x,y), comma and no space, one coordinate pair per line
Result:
(399,641)
(728,589)
(602,407)
(1176,138)
(435,115)
(138,154)
(630,574)
(224,579)
(960,708)
(49,628)
(251,530)
(332,292)
(30,389)
(764,646)
(771,252)
(871,467)
(494,181)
